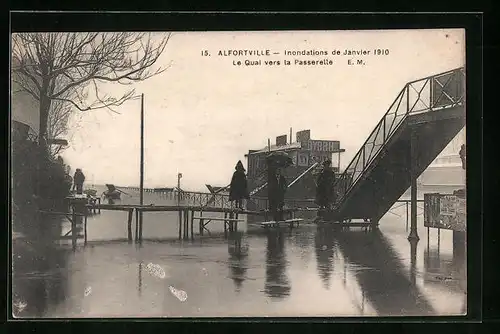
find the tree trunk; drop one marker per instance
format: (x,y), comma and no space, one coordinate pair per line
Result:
(44,118)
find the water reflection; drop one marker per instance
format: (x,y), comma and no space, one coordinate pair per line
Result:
(445,267)
(277,284)
(139,279)
(381,274)
(39,279)
(238,262)
(324,245)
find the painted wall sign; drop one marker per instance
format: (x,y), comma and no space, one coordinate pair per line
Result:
(323,145)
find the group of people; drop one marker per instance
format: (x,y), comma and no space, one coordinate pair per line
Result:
(277,187)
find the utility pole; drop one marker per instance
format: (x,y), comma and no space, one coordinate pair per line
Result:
(141,185)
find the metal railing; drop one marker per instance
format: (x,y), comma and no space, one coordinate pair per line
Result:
(433,93)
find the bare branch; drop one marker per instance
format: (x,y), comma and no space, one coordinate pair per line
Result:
(63,67)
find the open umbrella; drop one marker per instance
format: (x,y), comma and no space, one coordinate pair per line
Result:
(279,159)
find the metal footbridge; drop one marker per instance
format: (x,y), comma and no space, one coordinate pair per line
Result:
(425,116)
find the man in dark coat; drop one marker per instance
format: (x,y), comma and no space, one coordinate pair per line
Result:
(325,193)
(239,187)
(462,155)
(78,178)
(277,187)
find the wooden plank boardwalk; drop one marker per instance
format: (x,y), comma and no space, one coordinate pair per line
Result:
(187,215)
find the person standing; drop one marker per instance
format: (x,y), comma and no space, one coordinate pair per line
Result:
(325,192)
(277,187)
(78,179)
(239,186)
(462,155)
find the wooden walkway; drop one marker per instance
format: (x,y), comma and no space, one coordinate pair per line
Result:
(187,216)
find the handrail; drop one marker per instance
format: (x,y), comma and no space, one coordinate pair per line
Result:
(351,173)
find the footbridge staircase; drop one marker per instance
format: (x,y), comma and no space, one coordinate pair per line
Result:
(425,116)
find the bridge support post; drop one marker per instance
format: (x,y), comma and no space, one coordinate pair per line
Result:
(413,181)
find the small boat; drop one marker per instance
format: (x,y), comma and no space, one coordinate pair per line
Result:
(112,192)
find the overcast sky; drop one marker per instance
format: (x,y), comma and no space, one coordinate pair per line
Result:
(203,114)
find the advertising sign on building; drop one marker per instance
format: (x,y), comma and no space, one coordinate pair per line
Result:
(319,157)
(303,159)
(324,145)
(445,212)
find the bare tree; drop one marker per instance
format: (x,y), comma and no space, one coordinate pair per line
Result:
(65,67)
(57,123)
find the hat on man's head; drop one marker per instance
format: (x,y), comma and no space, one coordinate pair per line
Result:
(327,162)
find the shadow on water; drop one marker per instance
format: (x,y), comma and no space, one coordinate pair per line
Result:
(237,248)
(324,246)
(382,276)
(277,284)
(39,276)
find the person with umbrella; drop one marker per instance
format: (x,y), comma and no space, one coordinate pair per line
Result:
(239,187)
(277,184)
(325,193)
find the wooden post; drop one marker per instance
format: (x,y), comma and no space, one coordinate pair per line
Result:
(201,223)
(140,225)
(136,225)
(85,231)
(225,226)
(192,224)
(428,232)
(439,239)
(129,225)
(73,229)
(186,224)
(180,224)
(413,178)
(236,223)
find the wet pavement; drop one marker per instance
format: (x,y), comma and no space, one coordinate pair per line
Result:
(306,271)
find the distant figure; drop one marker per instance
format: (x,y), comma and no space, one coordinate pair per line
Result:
(277,187)
(78,180)
(239,188)
(462,155)
(325,193)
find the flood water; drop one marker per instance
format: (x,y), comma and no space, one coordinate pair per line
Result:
(305,271)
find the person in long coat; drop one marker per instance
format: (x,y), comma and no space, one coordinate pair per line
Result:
(277,187)
(325,192)
(78,178)
(239,186)
(462,155)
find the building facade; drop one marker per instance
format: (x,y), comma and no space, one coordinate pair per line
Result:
(304,153)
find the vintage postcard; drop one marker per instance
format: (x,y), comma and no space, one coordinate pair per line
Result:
(238,174)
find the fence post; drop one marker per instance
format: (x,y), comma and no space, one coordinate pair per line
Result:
(73,229)
(201,223)
(136,225)
(129,224)
(192,224)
